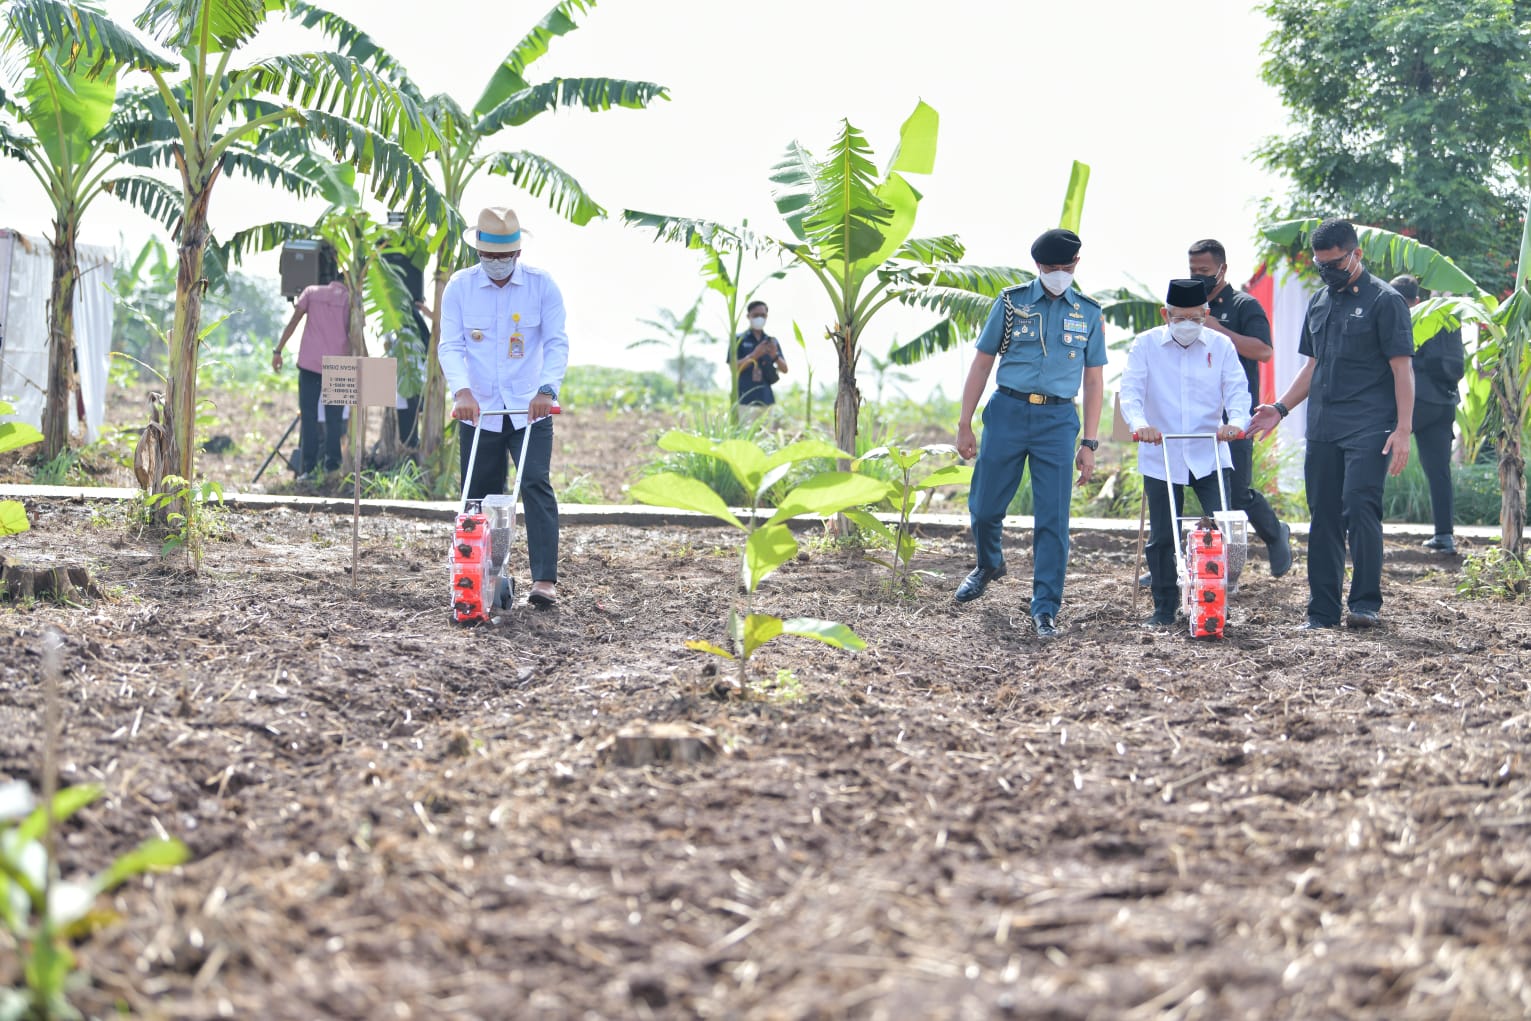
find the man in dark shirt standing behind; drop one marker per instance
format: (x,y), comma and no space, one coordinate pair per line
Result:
(1360,378)
(1438,367)
(1239,317)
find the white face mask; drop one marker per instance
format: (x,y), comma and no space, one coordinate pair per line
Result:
(1185,332)
(757,322)
(1057,281)
(497,269)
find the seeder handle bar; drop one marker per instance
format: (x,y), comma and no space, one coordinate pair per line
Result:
(526,437)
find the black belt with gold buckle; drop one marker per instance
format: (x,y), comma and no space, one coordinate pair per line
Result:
(1033,398)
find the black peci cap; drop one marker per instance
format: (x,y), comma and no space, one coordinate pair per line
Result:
(1186,294)
(1056,247)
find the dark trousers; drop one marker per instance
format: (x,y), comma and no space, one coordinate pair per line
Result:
(1433,425)
(1243,495)
(309,388)
(491,470)
(1345,481)
(1014,434)
(1163,534)
(408,416)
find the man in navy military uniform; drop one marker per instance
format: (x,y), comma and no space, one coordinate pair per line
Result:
(1047,339)
(1359,385)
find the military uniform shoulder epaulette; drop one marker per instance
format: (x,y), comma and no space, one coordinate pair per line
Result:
(1087,299)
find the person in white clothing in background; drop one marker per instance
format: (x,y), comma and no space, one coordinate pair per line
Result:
(1181,378)
(503,345)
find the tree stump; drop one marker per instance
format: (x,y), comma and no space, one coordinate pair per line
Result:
(64,583)
(660,743)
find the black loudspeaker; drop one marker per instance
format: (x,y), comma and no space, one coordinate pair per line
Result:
(306,263)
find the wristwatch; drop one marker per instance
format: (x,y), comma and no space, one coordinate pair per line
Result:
(1091,445)
(1281,409)
(547,388)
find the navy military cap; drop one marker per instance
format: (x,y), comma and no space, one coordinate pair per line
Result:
(1056,247)
(1186,294)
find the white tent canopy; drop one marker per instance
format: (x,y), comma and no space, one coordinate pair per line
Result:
(26,284)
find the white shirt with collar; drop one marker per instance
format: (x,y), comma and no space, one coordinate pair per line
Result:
(1183,390)
(479,325)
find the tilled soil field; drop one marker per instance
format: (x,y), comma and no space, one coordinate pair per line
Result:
(393,817)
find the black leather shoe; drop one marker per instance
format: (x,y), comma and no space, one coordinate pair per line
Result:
(1281,553)
(1317,625)
(1045,625)
(1362,619)
(1441,543)
(1161,619)
(977,581)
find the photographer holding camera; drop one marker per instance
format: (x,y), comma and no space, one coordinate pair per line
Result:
(759,359)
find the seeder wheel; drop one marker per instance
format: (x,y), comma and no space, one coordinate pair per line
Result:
(504,593)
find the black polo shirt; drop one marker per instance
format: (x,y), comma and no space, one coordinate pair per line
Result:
(1243,313)
(1438,367)
(1351,335)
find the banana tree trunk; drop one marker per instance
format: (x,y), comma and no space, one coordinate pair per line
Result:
(847,395)
(185,347)
(1510,385)
(61,360)
(433,397)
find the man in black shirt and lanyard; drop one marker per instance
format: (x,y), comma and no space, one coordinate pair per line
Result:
(1359,383)
(1239,317)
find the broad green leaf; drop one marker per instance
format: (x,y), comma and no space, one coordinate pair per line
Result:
(770,478)
(679,442)
(699,646)
(830,493)
(13,518)
(670,490)
(14,435)
(1073,198)
(847,221)
(536,174)
(951,475)
(797,175)
(907,547)
(65,804)
(767,548)
(745,459)
(804,450)
(510,76)
(916,151)
(1433,315)
(867,522)
(67,110)
(1524,266)
(759,628)
(826,631)
(153,855)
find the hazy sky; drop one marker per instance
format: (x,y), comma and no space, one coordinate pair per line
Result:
(1162,99)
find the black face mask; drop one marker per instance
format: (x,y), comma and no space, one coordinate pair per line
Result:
(1335,277)
(1210,283)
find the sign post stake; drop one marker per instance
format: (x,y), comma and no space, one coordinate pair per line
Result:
(358,383)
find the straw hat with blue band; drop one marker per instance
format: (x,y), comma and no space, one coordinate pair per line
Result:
(498,230)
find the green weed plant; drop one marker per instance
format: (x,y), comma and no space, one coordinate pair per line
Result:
(768,545)
(42,916)
(14,436)
(904,492)
(191,518)
(1495,573)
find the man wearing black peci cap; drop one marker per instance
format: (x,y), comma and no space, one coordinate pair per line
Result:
(1239,317)
(1359,385)
(1182,377)
(1047,340)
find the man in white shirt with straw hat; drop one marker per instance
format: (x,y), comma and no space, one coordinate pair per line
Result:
(503,345)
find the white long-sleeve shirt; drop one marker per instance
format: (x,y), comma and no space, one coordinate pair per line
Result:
(1183,390)
(502,342)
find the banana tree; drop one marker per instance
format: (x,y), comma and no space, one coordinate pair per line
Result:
(1503,356)
(63,123)
(674,331)
(457,154)
(218,116)
(851,230)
